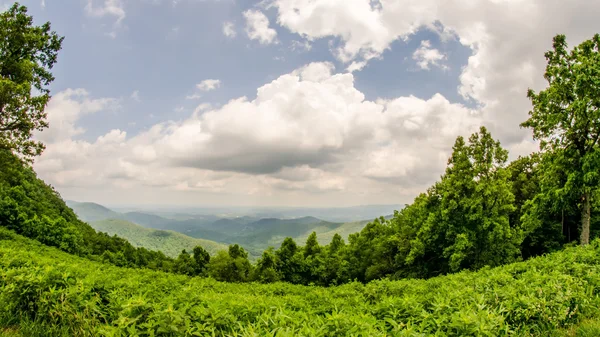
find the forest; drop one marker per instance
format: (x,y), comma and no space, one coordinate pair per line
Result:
(492,248)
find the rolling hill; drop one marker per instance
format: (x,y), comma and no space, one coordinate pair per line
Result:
(90,211)
(169,242)
(253,233)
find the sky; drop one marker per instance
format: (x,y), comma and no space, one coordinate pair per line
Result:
(286,102)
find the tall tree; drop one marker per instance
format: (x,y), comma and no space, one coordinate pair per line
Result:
(469,226)
(290,261)
(566,119)
(201,259)
(27,54)
(266,267)
(312,245)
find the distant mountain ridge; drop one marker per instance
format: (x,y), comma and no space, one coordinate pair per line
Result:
(252,232)
(169,242)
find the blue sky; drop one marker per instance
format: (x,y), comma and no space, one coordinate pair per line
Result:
(312,130)
(164,49)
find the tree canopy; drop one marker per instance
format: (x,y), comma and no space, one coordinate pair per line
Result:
(566,119)
(27,54)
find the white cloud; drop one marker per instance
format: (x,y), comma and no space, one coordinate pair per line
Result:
(307,133)
(508,39)
(300,45)
(43,4)
(106,8)
(208,85)
(135,95)
(103,8)
(257,27)
(193,96)
(201,107)
(229,29)
(356,66)
(426,56)
(66,108)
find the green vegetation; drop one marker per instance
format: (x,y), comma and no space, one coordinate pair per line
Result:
(169,242)
(566,120)
(449,264)
(47,292)
(255,235)
(27,53)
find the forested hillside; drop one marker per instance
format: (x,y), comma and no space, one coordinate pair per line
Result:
(169,242)
(254,234)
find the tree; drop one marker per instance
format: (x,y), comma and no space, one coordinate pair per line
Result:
(566,119)
(235,251)
(337,242)
(312,245)
(184,264)
(27,54)
(290,261)
(201,259)
(266,267)
(546,222)
(468,226)
(231,266)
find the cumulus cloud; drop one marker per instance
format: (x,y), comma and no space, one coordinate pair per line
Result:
(508,40)
(66,108)
(425,56)
(229,29)
(257,27)
(310,131)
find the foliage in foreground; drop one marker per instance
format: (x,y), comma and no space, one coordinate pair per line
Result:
(43,289)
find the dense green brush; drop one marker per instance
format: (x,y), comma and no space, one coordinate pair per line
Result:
(43,289)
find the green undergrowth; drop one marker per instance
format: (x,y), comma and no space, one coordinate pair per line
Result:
(46,292)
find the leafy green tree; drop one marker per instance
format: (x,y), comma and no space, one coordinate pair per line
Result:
(27,54)
(185,264)
(290,261)
(337,243)
(312,245)
(201,259)
(365,254)
(471,227)
(566,119)
(333,261)
(313,261)
(543,219)
(235,251)
(266,267)
(231,266)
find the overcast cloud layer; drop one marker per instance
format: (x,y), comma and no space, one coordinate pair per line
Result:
(309,135)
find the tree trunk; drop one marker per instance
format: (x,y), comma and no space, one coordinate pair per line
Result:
(585,219)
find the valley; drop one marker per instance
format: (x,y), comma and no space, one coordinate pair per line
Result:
(171,232)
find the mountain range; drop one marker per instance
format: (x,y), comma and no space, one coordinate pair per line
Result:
(171,232)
